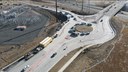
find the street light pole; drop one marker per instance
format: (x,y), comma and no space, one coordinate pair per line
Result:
(76,3)
(82,5)
(89,6)
(56,12)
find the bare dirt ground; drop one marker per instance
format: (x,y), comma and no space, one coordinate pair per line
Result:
(84,28)
(12,52)
(95,55)
(118,59)
(69,7)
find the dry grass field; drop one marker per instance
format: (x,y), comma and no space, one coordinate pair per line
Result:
(109,57)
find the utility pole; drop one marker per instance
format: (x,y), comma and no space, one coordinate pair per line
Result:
(82,5)
(89,6)
(76,3)
(56,12)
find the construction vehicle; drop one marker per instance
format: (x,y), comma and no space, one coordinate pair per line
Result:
(42,44)
(45,42)
(28,56)
(20,28)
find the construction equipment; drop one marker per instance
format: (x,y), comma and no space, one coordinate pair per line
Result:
(45,42)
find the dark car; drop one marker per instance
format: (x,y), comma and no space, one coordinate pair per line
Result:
(53,55)
(71,16)
(22,70)
(77,24)
(89,24)
(101,20)
(87,33)
(75,19)
(74,34)
(28,56)
(35,51)
(83,23)
(71,27)
(63,8)
(82,34)
(56,36)
(71,31)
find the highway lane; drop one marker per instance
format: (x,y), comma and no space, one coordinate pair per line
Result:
(56,46)
(35,60)
(42,61)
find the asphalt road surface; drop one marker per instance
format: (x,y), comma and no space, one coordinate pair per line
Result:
(63,44)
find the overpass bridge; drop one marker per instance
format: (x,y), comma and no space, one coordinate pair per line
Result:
(111,10)
(102,33)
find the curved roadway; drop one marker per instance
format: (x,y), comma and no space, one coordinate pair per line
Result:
(102,32)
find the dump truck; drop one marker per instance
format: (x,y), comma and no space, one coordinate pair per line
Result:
(45,42)
(20,28)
